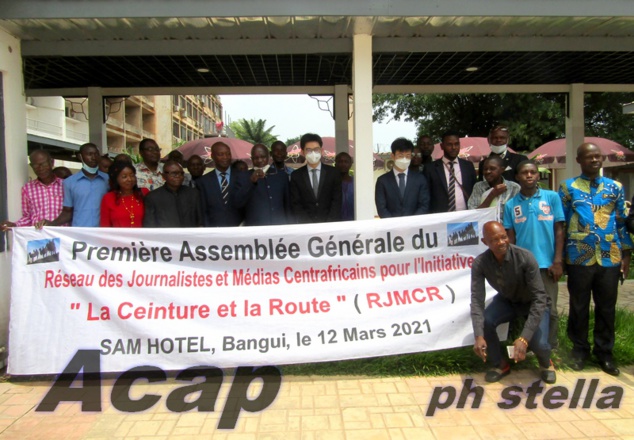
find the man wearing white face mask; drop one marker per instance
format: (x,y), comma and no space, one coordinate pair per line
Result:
(315,188)
(498,141)
(267,200)
(401,192)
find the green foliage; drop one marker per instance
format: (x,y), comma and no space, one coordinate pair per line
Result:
(463,360)
(533,118)
(253,131)
(130,151)
(291,141)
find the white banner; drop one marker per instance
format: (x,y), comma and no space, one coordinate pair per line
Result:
(226,297)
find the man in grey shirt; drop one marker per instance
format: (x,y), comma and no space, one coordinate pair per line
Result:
(514,273)
(173,205)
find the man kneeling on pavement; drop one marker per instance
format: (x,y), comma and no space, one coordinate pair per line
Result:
(514,273)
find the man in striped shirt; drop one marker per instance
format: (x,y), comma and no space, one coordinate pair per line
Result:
(41,198)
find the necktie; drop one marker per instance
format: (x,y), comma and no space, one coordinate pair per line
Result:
(224,187)
(452,188)
(315,181)
(401,184)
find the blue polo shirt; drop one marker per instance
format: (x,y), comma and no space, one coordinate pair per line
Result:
(533,220)
(84,196)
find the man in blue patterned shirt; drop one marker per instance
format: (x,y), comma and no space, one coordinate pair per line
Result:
(597,252)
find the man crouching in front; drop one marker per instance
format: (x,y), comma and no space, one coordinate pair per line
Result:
(514,273)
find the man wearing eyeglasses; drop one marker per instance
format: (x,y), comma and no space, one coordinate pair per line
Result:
(149,172)
(316,187)
(172,205)
(498,142)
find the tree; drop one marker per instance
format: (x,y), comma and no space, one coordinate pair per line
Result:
(253,131)
(533,119)
(291,141)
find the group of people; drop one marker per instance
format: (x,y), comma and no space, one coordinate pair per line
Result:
(419,185)
(539,232)
(582,229)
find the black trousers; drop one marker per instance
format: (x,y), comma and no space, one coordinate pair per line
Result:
(602,284)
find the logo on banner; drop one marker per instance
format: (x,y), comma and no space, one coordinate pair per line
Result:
(462,234)
(42,251)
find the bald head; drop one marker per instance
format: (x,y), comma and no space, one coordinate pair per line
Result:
(585,147)
(589,159)
(495,237)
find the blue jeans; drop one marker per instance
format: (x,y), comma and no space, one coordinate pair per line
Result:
(500,311)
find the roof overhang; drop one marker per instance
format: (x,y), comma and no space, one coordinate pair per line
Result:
(293,44)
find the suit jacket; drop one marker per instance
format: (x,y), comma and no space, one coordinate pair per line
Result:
(308,209)
(215,212)
(511,161)
(437,183)
(388,197)
(267,202)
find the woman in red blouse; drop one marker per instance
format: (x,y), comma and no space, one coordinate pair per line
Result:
(122,206)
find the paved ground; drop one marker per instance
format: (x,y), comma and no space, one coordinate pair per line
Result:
(353,408)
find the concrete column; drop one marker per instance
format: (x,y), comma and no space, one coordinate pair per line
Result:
(341,118)
(14,171)
(575,130)
(362,92)
(96,124)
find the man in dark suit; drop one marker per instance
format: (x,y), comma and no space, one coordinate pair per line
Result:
(315,188)
(401,191)
(267,200)
(498,141)
(450,179)
(218,189)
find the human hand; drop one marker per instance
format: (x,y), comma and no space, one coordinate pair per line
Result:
(41,224)
(520,346)
(499,189)
(480,348)
(556,270)
(6,225)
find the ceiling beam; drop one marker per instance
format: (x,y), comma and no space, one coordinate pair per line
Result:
(157,91)
(39,9)
(324,46)
(185,47)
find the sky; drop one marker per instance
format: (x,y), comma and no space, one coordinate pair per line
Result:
(294,115)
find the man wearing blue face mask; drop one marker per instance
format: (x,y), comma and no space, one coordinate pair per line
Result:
(83,192)
(401,192)
(315,188)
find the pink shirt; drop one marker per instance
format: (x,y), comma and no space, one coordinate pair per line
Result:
(40,202)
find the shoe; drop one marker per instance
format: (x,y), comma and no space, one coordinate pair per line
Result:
(609,367)
(577,364)
(549,375)
(495,374)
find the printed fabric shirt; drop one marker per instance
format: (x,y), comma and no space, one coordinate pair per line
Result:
(595,221)
(146,178)
(40,202)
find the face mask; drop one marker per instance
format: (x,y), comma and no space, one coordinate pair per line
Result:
(402,163)
(90,170)
(264,169)
(313,157)
(498,149)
